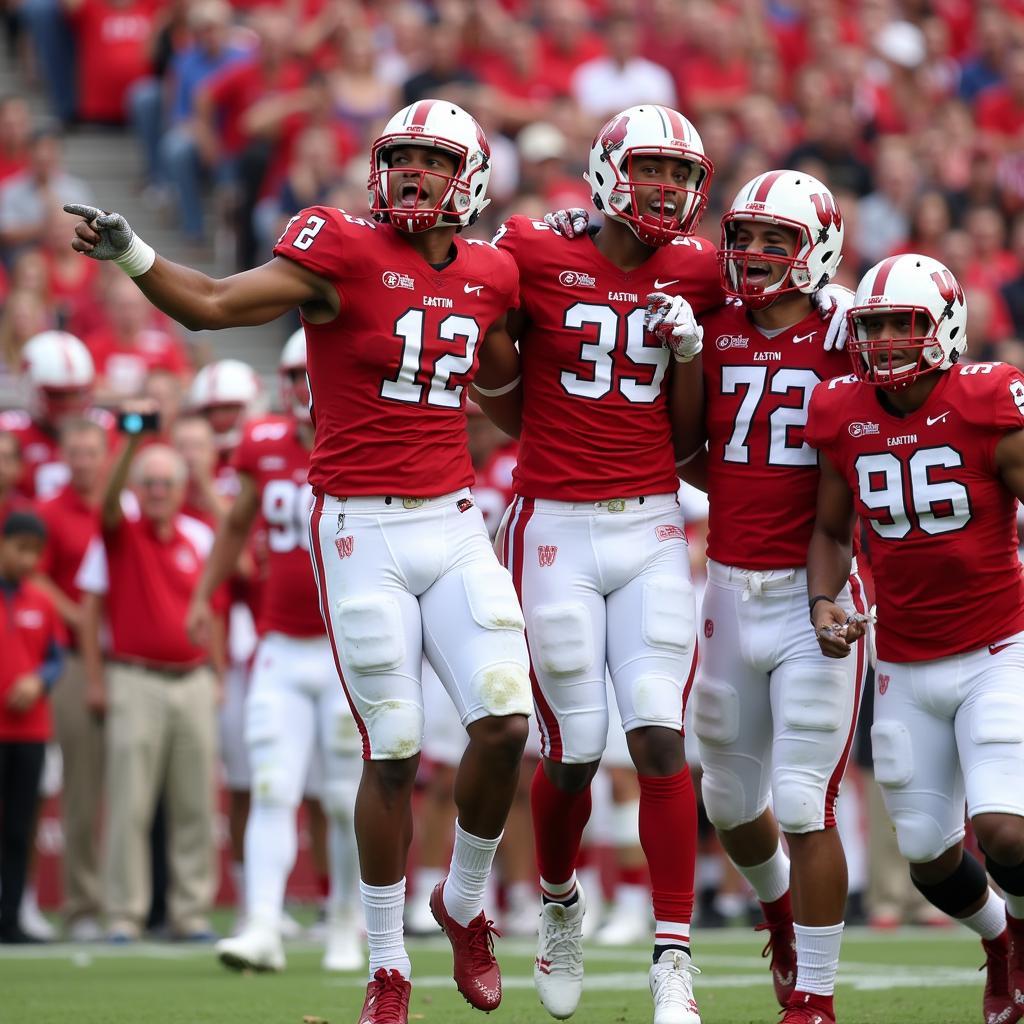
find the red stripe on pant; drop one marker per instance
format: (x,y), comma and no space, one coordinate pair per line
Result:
(550,732)
(321,584)
(832,792)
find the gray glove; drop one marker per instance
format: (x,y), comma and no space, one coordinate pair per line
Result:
(115,232)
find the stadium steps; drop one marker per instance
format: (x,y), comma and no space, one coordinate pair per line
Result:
(109,161)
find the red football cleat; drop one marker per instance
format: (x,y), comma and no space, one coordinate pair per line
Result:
(808,1009)
(476,972)
(387,999)
(1004,979)
(781,945)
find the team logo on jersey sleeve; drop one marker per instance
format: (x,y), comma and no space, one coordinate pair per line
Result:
(546,554)
(861,428)
(393,279)
(345,546)
(576,279)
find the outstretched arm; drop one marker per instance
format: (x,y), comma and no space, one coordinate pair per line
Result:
(195,300)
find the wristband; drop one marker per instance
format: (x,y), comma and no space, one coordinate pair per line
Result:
(814,600)
(137,258)
(498,392)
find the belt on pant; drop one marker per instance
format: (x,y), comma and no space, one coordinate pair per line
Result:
(168,671)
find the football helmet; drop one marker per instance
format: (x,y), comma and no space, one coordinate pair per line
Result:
(435,124)
(794,200)
(649,130)
(60,374)
(295,397)
(927,291)
(223,392)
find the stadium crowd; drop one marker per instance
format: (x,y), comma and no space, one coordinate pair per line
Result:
(244,114)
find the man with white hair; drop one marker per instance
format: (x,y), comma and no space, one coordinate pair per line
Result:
(155,687)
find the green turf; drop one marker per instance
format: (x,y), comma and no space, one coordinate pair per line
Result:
(899,978)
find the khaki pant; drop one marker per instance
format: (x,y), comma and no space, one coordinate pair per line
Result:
(161,731)
(81,740)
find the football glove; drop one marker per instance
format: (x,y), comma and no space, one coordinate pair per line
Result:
(832,302)
(117,241)
(670,318)
(569,223)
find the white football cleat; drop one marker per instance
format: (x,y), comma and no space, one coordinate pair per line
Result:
(31,920)
(258,948)
(625,926)
(671,980)
(290,928)
(344,943)
(558,969)
(418,919)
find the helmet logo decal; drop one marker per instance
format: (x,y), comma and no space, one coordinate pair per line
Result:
(613,134)
(828,213)
(949,289)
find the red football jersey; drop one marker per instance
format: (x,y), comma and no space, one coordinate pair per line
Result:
(495,487)
(941,524)
(388,374)
(595,408)
(273,455)
(762,476)
(43,473)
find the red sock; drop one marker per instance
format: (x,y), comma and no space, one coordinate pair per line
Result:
(558,822)
(778,913)
(668,834)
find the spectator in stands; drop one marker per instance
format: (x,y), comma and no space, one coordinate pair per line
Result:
(54,45)
(444,70)
(166,391)
(885,213)
(75,287)
(1000,109)
(30,666)
(192,437)
(622,79)
(72,519)
(10,474)
(1013,290)
(15,135)
(717,79)
(567,40)
(112,41)
(930,222)
(129,346)
(28,198)
(361,98)
(157,689)
(832,136)
(163,110)
(25,315)
(992,37)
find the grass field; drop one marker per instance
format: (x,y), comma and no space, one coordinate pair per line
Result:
(911,977)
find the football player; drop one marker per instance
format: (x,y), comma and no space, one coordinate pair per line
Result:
(61,378)
(400,315)
(929,453)
(294,705)
(595,540)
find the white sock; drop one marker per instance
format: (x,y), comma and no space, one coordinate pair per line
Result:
(558,892)
(770,880)
(990,921)
(1014,905)
(383,906)
(817,958)
(522,894)
(270,846)
(343,865)
(467,877)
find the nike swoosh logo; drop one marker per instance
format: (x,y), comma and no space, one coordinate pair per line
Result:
(664,284)
(470,289)
(997,648)
(936,419)
(803,337)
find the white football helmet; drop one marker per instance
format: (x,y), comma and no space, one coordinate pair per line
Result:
(794,200)
(60,373)
(223,392)
(295,397)
(436,124)
(930,296)
(649,130)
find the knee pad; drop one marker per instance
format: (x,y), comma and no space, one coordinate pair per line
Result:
(656,700)
(920,837)
(813,705)
(370,633)
(338,797)
(340,735)
(799,803)
(264,739)
(395,728)
(724,798)
(999,719)
(716,712)
(669,613)
(584,735)
(561,639)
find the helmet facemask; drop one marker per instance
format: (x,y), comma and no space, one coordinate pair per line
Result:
(921,343)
